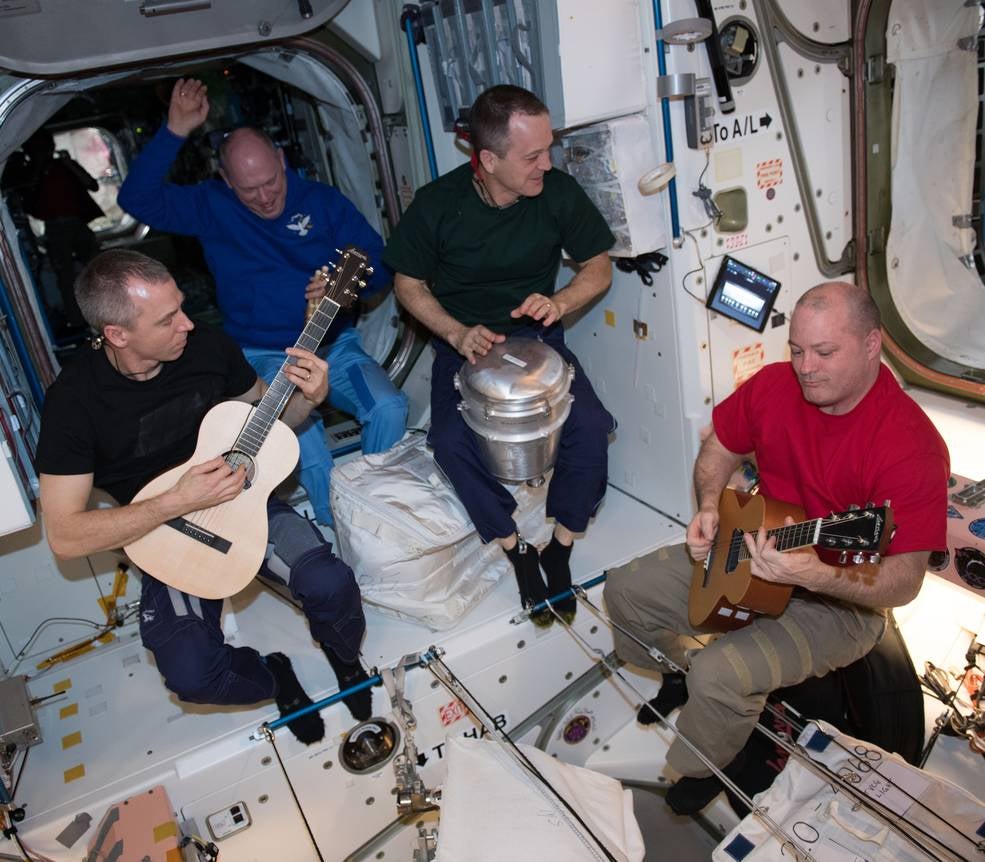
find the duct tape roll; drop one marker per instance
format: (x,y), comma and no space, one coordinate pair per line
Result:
(655,180)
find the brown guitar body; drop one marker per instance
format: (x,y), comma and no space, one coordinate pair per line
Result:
(215,553)
(722,600)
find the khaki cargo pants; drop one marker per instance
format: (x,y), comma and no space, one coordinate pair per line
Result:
(729,680)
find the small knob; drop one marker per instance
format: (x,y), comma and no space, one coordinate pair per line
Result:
(370,270)
(858,558)
(875,558)
(843,557)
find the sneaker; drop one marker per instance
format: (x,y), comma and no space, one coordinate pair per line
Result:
(555,561)
(360,703)
(672,694)
(290,697)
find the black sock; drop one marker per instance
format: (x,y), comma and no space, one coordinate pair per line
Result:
(526,567)
(555,561)
(290,697)
(672,694)
(360,703)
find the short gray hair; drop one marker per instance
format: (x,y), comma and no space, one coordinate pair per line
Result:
(862,308)
(101,288)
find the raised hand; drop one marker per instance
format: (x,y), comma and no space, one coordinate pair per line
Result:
(189,106)
(474,341)
(546,309)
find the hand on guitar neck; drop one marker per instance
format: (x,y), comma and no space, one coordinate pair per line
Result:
(750,552)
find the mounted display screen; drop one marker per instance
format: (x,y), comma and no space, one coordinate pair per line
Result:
(743,294)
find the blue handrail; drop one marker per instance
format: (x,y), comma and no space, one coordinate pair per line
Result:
(675,219)
(422,104)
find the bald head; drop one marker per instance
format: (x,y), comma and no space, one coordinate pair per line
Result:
(254,169)
(835,343)
(861,312)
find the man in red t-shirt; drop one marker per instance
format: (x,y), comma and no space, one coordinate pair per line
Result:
(829,429)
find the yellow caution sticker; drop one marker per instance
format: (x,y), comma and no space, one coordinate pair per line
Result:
(68,711)
(62,685)
(72,739)
(165,831)
(75,773)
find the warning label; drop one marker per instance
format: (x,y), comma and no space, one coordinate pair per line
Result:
(746,361)
(769,173)
(740,240)
(452,712)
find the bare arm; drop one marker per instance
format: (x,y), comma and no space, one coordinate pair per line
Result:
(416,297)
(592,279)
(76,531)
(712,470)
(893,582)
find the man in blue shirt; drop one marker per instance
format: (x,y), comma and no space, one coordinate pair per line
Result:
(264,231)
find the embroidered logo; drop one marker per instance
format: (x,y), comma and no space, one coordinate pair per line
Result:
(300,223)
(148,615)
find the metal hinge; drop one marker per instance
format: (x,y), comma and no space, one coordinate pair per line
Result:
(875,69)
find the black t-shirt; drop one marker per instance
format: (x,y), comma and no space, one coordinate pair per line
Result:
(125,432)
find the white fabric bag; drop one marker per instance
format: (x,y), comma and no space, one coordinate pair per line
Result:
(828,825)
(406,535)
(493,810)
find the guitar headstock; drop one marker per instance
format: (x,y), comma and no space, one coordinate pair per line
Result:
(346,278)
(866,532)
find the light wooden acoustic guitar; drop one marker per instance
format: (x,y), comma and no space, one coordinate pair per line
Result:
(215,552)
(725,595)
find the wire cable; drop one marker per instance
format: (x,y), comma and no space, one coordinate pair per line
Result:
(290,786)
(503,738)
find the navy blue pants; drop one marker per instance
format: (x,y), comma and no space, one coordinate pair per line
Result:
(581,471)
(185,636)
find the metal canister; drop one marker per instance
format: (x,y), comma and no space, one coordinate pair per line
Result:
(515,399)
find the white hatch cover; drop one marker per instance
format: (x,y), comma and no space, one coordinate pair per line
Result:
(58,37)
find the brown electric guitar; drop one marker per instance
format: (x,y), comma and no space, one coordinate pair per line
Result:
(725,595)
(215,552)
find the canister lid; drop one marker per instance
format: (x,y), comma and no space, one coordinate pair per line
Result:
(515,371)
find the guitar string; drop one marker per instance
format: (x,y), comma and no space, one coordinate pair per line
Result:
(311,336)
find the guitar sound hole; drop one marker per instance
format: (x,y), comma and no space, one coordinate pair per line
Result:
(234,458)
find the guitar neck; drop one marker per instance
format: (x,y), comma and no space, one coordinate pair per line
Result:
(789,537)
(280,390)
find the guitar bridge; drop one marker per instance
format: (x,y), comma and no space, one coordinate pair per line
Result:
(199,534)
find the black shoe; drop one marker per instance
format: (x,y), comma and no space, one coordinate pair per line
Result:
(672,694)
(290,697)
(360,703)
(526,567)
(554,560)
(690,795)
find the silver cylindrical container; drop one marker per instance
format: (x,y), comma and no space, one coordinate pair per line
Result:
(515,399)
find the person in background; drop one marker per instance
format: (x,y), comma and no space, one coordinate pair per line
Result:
(265,231)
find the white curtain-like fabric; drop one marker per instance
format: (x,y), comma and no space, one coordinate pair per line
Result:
(940,299)
(493,810)
(402,528)
(824,820)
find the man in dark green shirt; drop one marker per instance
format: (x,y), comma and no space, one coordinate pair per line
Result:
(476,257)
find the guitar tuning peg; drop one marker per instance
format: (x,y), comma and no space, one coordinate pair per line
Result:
(870,505)
(361,284)
(339,251)
(858,558)
(369,270)
(854,507)
(875,558)
(885,503)
(843,557)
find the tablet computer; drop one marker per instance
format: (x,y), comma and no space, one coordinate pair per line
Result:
(743,294)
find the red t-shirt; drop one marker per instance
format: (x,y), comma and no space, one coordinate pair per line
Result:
(884,449)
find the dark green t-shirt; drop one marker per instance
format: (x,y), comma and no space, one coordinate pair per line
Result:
(482,262)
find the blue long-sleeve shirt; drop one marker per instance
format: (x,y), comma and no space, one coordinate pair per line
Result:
(261,266)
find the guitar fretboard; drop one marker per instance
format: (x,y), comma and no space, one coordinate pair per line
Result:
(788,537)
(276,397)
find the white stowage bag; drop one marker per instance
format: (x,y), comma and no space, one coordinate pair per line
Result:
(829,827)
(406,535)
(493,810)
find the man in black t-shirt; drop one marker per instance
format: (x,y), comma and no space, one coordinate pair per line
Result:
(120,415)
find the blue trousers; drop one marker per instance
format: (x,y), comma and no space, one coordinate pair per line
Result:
(185,636)
(580,474)
(357,385)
